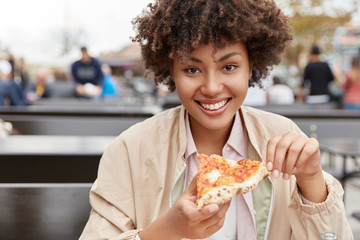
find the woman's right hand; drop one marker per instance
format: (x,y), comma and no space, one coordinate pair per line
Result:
(185,220)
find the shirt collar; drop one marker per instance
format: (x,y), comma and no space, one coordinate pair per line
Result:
(237,139)
(190,147)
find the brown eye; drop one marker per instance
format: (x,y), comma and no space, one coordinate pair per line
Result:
(229,68)
(192,70)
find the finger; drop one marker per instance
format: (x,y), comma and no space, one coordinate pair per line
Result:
(292,156)
(311,147)
(187,202)
(216,216)
(213,218)
(198,215)
(280,153)
(270,152)
(215,227)
(191,189)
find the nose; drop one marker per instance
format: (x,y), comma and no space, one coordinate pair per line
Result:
(211,86)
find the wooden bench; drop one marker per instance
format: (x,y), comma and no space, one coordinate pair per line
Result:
(51,159)
(75,120)
(43,211)
(321,121)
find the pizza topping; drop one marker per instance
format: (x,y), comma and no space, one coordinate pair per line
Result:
(216,172)
(213,176)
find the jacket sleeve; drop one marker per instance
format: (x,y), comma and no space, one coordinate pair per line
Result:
(113,212)
(308,221)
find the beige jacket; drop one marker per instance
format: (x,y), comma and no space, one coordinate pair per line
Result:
(141,174)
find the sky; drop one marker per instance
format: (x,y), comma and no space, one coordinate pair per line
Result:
(33,28)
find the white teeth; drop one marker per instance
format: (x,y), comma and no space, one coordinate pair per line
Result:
(215,106)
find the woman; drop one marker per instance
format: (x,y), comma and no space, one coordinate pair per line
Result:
(210,51)
(352,85)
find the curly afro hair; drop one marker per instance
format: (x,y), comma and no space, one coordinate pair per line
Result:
(177,27)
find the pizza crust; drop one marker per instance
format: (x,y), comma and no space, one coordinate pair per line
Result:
(223,194)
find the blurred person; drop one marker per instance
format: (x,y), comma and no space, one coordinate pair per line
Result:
(279,93)
(10,92)
(256,95)
(19,71)
(40,83)
(23,73)
(62,87)
(4,86)
(351,85)
(87,75)
(37,89)
(318,75)
(11,60)
(110,87)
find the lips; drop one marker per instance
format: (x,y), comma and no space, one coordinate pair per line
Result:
(213,106)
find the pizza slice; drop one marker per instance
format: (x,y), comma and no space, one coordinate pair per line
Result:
(219,179)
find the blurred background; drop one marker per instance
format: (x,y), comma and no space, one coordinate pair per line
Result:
(47,35)
(52,132)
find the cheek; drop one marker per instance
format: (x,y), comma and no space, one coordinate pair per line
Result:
(184,88)
(238,86)
(184,83)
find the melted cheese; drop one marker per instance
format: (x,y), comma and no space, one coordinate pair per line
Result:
(213,176)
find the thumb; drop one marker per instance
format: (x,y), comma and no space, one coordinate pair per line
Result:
(191,189)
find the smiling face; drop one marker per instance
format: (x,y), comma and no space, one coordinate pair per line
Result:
(213,87)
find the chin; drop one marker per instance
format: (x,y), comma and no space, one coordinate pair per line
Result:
(217,124)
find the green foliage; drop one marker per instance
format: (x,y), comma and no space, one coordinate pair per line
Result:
(313,22)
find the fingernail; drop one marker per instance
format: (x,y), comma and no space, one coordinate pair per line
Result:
(294,170)
(276,173)
(269,166)
(213,209)
(286,176)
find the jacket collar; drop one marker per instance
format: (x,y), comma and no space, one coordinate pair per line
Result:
(182,132)
(252,124)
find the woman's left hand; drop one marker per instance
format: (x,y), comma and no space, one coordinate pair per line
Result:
(293,153)
(297,154)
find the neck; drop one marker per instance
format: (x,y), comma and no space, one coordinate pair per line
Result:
(86,59)
(315,58)
(209,141)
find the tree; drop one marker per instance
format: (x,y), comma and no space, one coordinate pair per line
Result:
(69,39)
(313,22)
(71,34)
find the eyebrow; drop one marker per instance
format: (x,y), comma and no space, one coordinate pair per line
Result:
(223,58)
(229,55)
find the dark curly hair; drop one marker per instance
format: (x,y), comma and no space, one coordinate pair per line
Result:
(170,27)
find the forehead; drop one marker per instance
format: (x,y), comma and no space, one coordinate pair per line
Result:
(209,50)
(228,46)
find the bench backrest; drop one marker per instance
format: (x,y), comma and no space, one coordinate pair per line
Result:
(46,211)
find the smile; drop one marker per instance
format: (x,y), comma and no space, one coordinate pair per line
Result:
(213,107)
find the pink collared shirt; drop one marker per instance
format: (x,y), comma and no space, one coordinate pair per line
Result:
(240,218)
